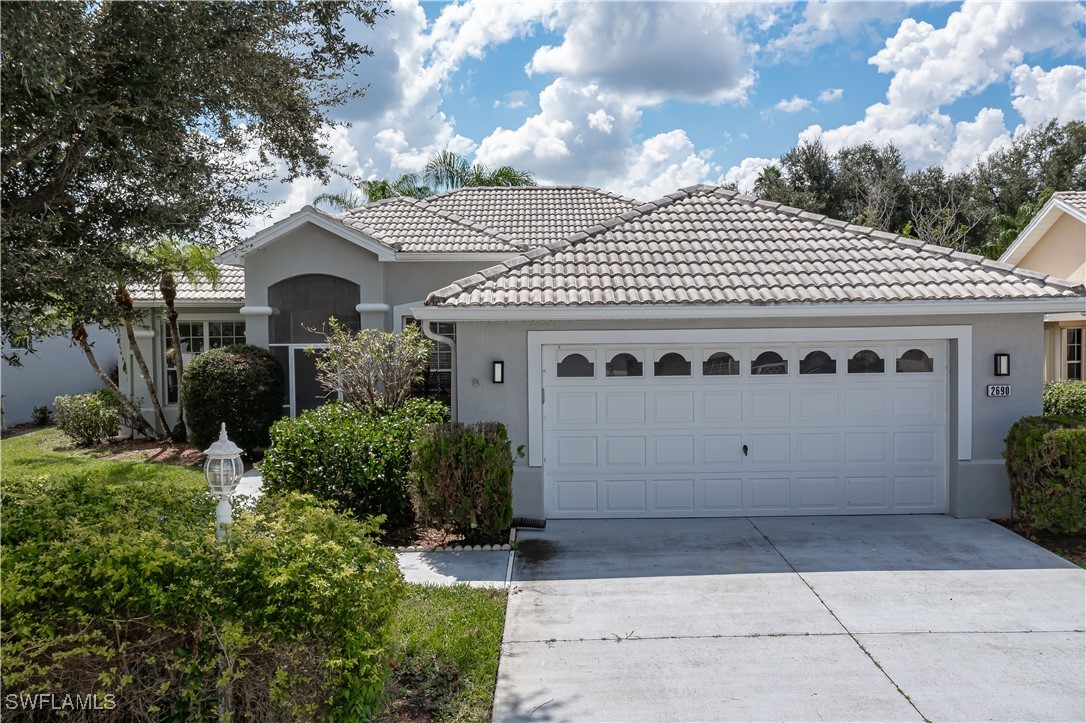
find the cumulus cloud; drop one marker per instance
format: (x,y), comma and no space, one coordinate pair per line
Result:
(974,140)
(1058,93)
(631,49)
(513,99)
(662,164)
(793,105)
(825,22)
(746,173)
(830,94)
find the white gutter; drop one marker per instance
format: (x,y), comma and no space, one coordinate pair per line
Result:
(747,311)
(433,335)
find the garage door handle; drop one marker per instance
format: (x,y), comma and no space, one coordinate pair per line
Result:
(744,450)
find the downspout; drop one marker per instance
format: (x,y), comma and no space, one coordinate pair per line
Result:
(434,336)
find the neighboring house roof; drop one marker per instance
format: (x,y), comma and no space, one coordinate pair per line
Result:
(409,225)
(1072,203)
(229,289)
(704,245)
(468,220)
(533,215)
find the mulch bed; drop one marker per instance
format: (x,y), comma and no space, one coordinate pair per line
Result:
(1070,547)
(146,450)
(429,538)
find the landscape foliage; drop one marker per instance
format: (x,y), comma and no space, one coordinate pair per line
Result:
(88,418)
(1065,398)
(1046,465)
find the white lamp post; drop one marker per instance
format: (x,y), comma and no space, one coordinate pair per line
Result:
(222,470)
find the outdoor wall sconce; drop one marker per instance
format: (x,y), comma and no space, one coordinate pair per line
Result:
(499,372)
(1002,365)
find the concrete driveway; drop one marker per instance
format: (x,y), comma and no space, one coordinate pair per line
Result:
(803,618)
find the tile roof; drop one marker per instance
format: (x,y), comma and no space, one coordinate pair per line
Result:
(230,288)
(534,215)
(413,226)
(705,245)
(1075,199)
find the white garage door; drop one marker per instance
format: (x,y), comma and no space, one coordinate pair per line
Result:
(746,429)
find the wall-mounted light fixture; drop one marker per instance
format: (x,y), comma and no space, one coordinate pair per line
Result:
(499,372)
(1002,365)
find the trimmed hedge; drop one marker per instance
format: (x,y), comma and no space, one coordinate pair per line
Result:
(241,385)
(88,418)
(1066,398)
(462,478)
(1046,465)
(120,589)
(357,459)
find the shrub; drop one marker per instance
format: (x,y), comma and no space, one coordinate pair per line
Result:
(1046,465)
(88,418)
(121,589)
(372,369)
(1067,398)
(241,385)
(42,415)
(462,478)
(356,459)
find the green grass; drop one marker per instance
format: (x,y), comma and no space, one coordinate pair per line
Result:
(448,640)
(48,453)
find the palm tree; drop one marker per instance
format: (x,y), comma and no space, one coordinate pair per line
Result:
(445,171)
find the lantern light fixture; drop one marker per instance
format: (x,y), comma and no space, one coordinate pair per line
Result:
(1002,365)
(498,372)
(223,470)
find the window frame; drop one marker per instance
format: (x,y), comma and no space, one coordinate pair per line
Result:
(168,367)
(1073,368)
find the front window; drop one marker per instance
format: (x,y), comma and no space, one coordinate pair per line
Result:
(195,338)
(437,378)
(1073,353)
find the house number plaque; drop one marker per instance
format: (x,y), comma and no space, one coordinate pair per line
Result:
(999,390)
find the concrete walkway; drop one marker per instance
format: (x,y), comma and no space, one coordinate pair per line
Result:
(478,568)
(835,618)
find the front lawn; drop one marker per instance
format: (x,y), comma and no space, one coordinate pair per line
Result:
(444,643)
(448,640)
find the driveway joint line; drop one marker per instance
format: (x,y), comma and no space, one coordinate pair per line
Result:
(844,633)
(839,621)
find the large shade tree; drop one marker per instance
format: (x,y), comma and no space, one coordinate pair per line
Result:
(129,123)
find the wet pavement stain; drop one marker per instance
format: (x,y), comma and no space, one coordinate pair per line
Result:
(537,552)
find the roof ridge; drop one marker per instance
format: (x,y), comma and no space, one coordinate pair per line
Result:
(887,236)
(480,277)
(536,187)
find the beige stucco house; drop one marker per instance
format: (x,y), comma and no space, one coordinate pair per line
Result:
(1054,243)
(704,354)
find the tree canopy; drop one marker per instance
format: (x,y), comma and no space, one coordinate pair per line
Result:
(981,209)
(444,171)
(126,123)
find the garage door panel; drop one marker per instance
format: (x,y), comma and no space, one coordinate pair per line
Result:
(674,451)
(817,405)
(575,407)
(673,407)
(723,406)
(575,451)
(673,495)
(625,495)
(817,494)
(625,451)
(817,447)
(769,448)
(816,444)
(624,407)
(769,494)
(722,449)
(769,405)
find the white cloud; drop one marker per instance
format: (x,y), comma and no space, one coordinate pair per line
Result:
(601,120)
(979,45)
(746,173)
(793,105)
(830,94)
(825,22)
(974,140)
(654,51)
(513,99)
(1059,93)
(662,164)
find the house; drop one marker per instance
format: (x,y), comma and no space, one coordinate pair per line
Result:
(705,354)
(57,367)
(1054,243)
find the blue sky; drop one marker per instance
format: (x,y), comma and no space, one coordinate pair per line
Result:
(644,98)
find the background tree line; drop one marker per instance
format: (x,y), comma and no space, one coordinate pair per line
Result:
(980,210)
